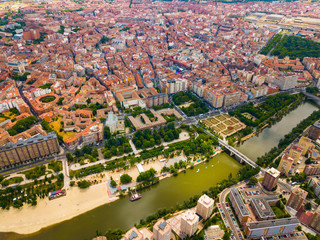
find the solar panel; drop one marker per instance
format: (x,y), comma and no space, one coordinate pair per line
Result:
(133,235)
(162,225)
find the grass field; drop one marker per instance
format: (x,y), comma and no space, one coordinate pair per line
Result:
(56,125)
(279,213)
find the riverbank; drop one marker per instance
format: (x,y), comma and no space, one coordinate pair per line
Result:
(77,201)
(124,214)
(270,136)
(31,219)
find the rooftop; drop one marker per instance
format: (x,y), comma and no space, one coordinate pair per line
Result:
(242,207)
(273,223)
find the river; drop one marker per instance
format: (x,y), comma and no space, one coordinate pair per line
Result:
(270,137)
(123,213)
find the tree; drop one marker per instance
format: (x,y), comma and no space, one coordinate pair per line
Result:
(125,178)
(83,184)
(113,183)
(69,157)
(106,132)
(253,181)
(308,206)
(147,175)
(5,183)
(308,161)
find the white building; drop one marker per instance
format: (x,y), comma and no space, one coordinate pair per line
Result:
(189,223)
(161,230)
(39,92)
(205,206)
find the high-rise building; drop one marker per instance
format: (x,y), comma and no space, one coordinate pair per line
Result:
(312,169)
(306,144)
(205,206)
(161,230)
(189,223)
(296,198)
(295,152)
(133,234)
(231,97)
(285,164)
(315,220)
(314,183)
(286,82)
(314,131)
(271,178)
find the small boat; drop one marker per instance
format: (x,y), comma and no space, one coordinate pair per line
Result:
(135,196)
(198,170)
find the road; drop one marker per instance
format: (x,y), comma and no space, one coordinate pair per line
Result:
(222,201)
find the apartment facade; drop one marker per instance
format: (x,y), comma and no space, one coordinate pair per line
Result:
(271,178)
(189,223)
(32,148)
(239,206)
(161,230)
(271,227)
(205,206)
(297,198)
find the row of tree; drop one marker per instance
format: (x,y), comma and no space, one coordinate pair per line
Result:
(267,109)
(268,158)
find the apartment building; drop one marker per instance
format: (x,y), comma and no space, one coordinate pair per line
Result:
(152,97)
(231,97)
(174,86)
(213,97)
(314,131)
(161,230)
(315,220)
(286,82)
(205,206)
(285,164)
(312,169)
(189,223)
(261,207)
(38,146)
(133,234)
(306,144)
(295,152)
(271,227)
(238,205)
(297,198)
(271,178)
(314,183)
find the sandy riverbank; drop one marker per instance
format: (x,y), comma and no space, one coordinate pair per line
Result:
(30,219)
(46,213)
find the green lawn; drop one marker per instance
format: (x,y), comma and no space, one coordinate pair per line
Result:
(280,213)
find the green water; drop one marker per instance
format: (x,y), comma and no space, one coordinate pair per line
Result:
(270,137)
(123,213)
